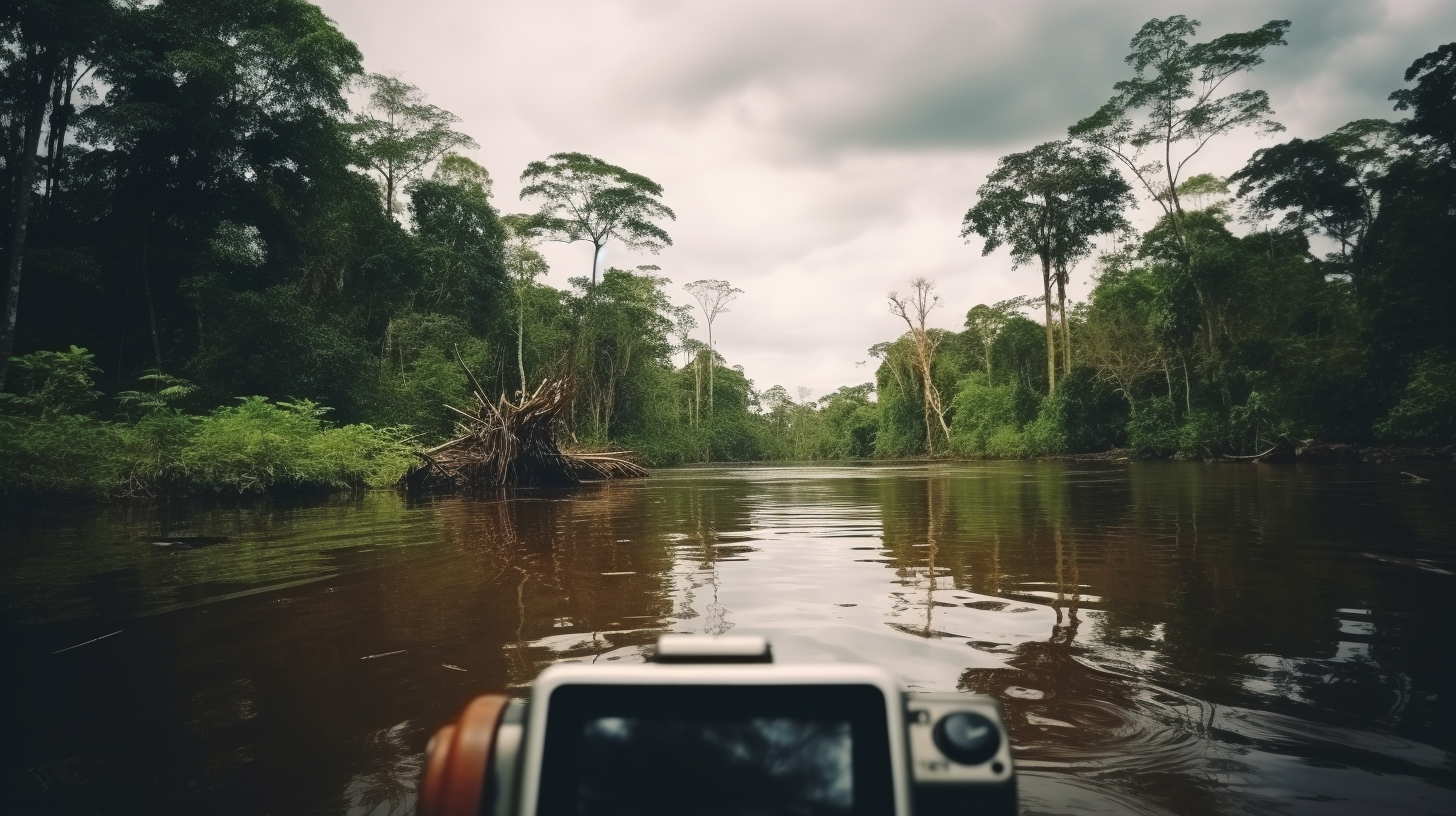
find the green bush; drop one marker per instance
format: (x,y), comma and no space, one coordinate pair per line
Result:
(50,383)
(258,445)
(1202,434)
(985,412)
(1426,412)
(1047,434)
(1152,430)
(63,454)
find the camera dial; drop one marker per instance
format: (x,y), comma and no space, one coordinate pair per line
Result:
(967,737)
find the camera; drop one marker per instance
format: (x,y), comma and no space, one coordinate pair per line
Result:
(714,726)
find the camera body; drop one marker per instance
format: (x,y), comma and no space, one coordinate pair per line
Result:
(713,726)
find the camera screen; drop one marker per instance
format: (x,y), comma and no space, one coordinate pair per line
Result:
(734,751)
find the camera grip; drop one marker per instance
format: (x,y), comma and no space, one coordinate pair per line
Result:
(458,760)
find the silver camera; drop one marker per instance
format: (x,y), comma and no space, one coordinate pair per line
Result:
(713,726)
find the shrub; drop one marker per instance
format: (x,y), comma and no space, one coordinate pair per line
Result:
(64,454)
(985,411)
(258,445)
(1152,430)
(1426,411)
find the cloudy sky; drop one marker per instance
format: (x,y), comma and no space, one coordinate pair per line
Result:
(820,154)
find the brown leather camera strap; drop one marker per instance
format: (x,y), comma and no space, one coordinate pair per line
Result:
(457,765)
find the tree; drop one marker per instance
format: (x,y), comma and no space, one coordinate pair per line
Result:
(1046,205)
(586,199)
(629,331)
(460,239)
(523,265)
(683,324)
(1330,183)
(399,134)
(1120,338)
(1165,115)
(1433,102)
(713,297)
(219,120)
(1407,290)
(42,42)
(914,308)
(984,322)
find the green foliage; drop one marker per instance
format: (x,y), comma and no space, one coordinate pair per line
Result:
(218,214)
(399,134)
(420,373)
(1426,411)
(1153,429)
(986,418)
(51,383)
(1086,415)
(259,445)
(460,239)
(1003,421)
(255,446)
(586,199)
(164,390)
(61,455)
(902,418)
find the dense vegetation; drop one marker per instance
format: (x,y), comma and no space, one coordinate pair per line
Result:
(195,217)
(1221,330)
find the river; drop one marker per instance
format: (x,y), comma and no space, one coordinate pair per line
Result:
(1165,637)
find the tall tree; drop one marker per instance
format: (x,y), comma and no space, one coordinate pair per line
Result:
(523,265)
(399,134)
(41,43)
(914,308)
(586,199)
(1163,117)
(218,119)
(1046,205)
(713,297)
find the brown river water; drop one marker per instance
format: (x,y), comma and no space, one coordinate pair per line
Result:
(1165,637)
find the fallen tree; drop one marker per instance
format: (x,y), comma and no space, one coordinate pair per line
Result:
(513,444)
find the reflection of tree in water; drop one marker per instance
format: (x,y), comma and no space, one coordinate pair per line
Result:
(1109,729)
(387,785)
(582,572)
(703,554)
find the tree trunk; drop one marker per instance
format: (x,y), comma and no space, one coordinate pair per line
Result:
(712,364)
(24,164)
(521,341)
(1046,283)
(1066,330)
(697,387)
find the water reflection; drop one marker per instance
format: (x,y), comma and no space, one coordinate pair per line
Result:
(1164,637)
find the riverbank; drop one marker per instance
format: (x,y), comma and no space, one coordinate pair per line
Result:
(260,447)
(256,446)
(1317,454)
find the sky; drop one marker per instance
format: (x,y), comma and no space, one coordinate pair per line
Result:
(820,154)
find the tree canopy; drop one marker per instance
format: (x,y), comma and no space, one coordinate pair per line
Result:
(586,199)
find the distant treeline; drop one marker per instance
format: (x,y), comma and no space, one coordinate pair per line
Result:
(196,217)
(1196,341)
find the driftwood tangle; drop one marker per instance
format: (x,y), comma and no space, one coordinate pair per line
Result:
(512,444)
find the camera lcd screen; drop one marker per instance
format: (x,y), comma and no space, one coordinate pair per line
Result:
(729,750)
